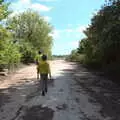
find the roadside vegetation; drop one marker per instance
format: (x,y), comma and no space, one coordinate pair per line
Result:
(21,36)
(75,56)
(59,57)
(101,46)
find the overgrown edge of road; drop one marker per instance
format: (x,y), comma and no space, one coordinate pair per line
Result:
(99,71)
(7,74)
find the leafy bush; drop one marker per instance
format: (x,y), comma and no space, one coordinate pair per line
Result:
(75,57)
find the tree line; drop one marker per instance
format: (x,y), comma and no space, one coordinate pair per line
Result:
(22,36)
(101,46)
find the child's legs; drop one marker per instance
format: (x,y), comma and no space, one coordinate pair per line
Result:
(44,81)
(46,86)
(37,72)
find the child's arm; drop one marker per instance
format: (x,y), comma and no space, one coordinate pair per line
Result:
(36,60)
(49,71)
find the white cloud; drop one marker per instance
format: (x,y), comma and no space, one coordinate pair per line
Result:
(74,43)
(69,30)
(47,18)
(55,34)
(40,7)
(81,28)
(14,13)
(69,25)
(78,29)
(76,32)
(22,5)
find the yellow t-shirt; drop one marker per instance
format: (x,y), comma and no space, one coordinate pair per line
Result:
(44,67)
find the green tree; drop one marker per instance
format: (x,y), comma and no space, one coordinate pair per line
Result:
(9,52)
(31,28)
(103,38)
(4,12)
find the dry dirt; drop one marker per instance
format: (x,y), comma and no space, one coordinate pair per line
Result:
(75,93)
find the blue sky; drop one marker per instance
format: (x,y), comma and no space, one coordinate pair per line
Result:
(68,17)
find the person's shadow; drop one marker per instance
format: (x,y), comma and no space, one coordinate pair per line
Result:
(37,92)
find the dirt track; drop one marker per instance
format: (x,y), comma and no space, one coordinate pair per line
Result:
(75,94)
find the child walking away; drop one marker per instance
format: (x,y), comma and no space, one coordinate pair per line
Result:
(37,59)
(44,70)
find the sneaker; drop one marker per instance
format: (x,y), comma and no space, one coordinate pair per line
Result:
(43,93)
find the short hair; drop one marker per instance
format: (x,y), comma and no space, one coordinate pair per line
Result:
(44,57)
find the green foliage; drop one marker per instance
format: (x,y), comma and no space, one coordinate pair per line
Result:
(102,43)
(75,56)
(81,48)
(32,32)
(27,53)
(9,52)
(4,10)
(22,36)
(54,57)
(108,38)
